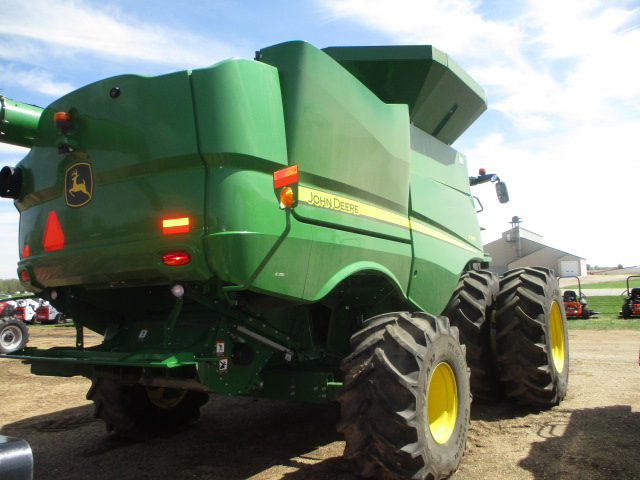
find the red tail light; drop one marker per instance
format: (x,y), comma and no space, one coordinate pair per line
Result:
(24,276)
(174,259)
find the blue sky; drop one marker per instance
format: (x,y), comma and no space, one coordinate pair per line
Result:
(562,80)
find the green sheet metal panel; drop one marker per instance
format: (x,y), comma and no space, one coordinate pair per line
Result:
(336,255)
(137,153)
(353,154)
(436,268)
(345,141)
(151,160)
(443,99)
(241,131)
(238,110)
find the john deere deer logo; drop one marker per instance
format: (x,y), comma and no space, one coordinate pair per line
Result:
(78,184)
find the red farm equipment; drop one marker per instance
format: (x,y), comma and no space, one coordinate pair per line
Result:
(631,305)
(575,305)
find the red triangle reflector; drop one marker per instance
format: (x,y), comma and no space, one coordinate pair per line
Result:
(53,236)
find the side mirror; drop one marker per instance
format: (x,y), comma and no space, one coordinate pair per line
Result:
(501,191)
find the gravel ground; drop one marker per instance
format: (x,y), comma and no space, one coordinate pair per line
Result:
(593,434)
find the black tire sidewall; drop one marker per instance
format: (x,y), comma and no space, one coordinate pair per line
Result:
(471,310)
(523,337)
(128,410)
(157,420)
(446,455)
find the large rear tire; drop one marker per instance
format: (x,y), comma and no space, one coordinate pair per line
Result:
(470,309)
(531,338)
(139,412)
(406,398)
(14,335)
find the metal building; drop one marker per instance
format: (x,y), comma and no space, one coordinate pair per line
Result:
(519,247)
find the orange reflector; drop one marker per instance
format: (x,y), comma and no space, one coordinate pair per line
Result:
(286,176)
(53,235)
(286,197)
(174,259)
(24,276)
(26,251)
(175,225)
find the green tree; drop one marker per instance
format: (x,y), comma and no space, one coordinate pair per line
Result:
(10,285)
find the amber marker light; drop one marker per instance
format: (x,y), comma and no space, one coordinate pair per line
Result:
(286,197)
(177,258)
(62,121)
(175,225)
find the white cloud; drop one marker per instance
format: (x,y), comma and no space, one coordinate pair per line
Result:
(8,239)
(563,81)
(68,28)
(575,189)
(34,79)
(557,62)
(454,24)
(9,217)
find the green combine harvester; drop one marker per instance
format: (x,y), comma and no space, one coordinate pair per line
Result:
(295,227)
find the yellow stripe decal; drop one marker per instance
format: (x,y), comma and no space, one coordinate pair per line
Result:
(432,232)
(330,201)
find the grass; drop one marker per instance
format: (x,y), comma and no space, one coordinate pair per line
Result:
(621,284)
(608,319)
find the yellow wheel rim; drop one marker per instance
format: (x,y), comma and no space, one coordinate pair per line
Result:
(556,326)
(442,406)
(165,397)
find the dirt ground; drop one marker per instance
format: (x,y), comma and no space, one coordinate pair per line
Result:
(593,279)
(593,434)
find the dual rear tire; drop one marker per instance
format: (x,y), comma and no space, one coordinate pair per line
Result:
(531,338)
(471,309)
(515,332)
(406,394)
